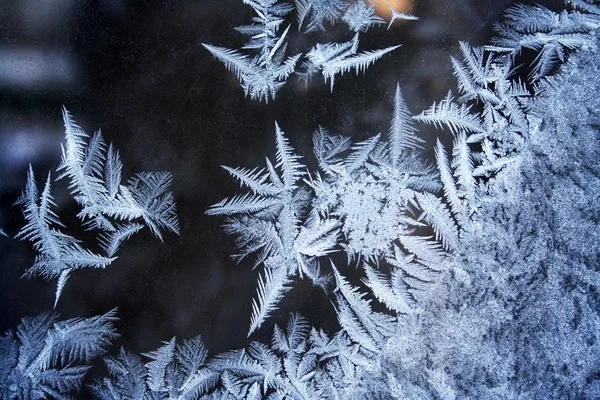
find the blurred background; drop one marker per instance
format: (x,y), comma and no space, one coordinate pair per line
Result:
(137,70)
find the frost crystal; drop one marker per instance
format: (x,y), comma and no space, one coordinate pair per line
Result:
(263,75)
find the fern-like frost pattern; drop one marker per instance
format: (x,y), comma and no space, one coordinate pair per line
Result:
(411,232)
(46,358)
(107,205)
(263,75)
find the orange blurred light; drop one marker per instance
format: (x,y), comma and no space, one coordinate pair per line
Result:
(382,7)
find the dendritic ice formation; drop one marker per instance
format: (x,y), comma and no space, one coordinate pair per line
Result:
(373,199)
(299,363)
(264,74)
(46,359)
(107,205)
(485,263)
(409,226)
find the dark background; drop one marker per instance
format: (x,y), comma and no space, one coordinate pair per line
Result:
(137,70)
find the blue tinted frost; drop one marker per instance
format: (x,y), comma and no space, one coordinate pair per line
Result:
(272,222)
(360,17)
(314,14)
(486,260)
(107,205)
(262,75)
(552,35)
(178,371)
(95,178)
(58,252)
(49,359)
(460,199)
(332,59)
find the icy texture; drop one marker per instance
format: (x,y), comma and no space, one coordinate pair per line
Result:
(95,176)
(177,371)
(299,363)
(374,196)
(273,222)
(517,316)
(58,253)
(515,313)
(263,75)
(49,359)
(487,261)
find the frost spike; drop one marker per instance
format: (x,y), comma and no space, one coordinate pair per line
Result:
(448,113)
(111,241)
(286,159)
(112,174)
(383,291)
(363,325)
(400,16)
(463,167)
(241,204)
(426,250)
(448,182)
(360,153)
(62,280)
(157,368)
(359,62)
(254,179)
(233,60)
(438,217)
(402,130)
(279,43)
(270,291)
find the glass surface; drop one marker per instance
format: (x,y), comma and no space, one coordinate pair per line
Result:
(138,71)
